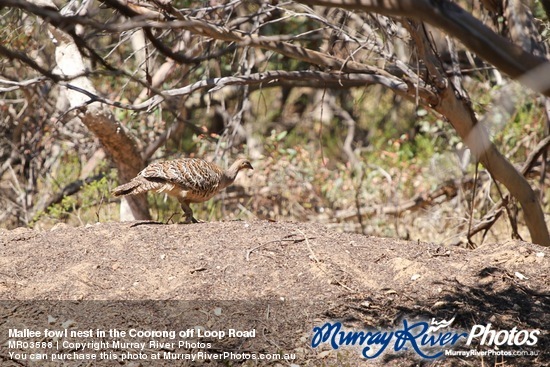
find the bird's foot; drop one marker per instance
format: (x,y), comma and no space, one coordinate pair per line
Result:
(190,219)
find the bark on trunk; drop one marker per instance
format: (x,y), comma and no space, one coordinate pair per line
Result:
(100,120)
(477,139)
(457,109)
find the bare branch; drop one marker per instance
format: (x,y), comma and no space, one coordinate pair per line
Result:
(460,114)
(309,78)
(457,22)
(16,55)
(444,192)
(16,85)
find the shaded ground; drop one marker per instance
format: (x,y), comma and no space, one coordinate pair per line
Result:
(280,279)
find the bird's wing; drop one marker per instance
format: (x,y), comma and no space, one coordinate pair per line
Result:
(189,174)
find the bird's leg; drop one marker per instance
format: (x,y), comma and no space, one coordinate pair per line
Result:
(187,211)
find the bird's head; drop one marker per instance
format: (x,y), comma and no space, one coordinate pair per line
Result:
(243,164)
(231,173)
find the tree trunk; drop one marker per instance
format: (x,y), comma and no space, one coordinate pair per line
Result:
(100,121)
(455,106)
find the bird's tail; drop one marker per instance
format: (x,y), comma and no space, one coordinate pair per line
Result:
(129,188)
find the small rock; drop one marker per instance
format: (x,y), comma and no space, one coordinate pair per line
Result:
(520,276)
(67,324)
(439,304)
(323,354)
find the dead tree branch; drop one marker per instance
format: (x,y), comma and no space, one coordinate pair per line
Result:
(442,193)
(455,21)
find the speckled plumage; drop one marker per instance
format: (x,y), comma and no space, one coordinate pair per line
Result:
(190,180)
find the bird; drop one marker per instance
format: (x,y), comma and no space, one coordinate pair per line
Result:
(190,180)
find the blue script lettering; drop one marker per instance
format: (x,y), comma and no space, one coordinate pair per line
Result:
(338,338)
(406,336)
(442,339)
(378,338)
(414,335)
(321,334)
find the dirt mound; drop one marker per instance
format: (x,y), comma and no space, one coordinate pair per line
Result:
(282,279)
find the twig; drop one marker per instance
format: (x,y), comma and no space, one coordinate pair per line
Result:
(447,253)
(476,176)
(318,263)
(285,238)
(448,190)
(358,199)
(490,219)
(541,147)
(170,218)
(196,270)
(350,122)
(313,256)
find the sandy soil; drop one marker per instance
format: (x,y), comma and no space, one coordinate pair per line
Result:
(280,279)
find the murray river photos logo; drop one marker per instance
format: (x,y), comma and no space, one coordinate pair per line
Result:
(427,339)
